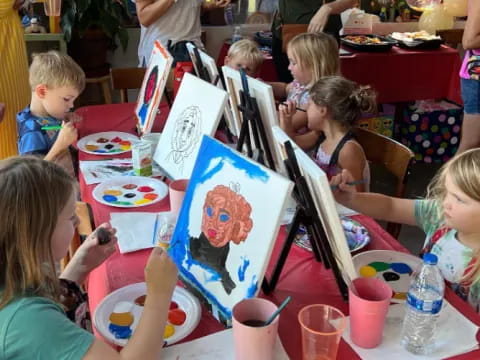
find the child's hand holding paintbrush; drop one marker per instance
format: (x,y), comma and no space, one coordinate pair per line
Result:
(96,248)
(343,187)
(286,111)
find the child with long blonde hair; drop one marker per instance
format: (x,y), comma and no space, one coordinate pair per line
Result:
(38,218)
(311,56)
(335,106)
(449,216)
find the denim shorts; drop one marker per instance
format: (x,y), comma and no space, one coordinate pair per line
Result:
(471,96)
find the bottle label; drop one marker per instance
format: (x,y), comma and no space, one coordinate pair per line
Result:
(425,306)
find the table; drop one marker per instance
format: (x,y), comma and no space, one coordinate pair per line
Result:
(398,75)
(303,278)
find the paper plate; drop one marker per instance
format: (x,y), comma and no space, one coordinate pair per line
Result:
(107,143)
(365,264)
(357,235)
(186,301)
(130,191)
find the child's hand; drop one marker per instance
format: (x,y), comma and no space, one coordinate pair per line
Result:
(341,189)
(90,255)
(67,135)
(73,118)
(286,111)
(160,274)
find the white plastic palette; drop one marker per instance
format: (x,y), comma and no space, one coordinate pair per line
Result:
(107,143)
(186,301)
(130,191)
(378,259)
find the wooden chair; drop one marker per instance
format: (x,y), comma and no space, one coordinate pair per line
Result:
(103,81)
(84,228)
(452,37)
(127,78)
(132,78)
(394,156)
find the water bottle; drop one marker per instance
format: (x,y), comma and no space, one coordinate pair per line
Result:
(424,301)
(237,35)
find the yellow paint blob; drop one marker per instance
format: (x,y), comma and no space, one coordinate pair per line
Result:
(367,271)
(112,192)
(169,331)
(91,147)
(142,201)
(400,296)
(125,147)
(121,319)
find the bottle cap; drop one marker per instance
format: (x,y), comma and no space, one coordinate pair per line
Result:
(430,259)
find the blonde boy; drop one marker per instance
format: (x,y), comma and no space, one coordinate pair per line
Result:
(244,54)
(56,81)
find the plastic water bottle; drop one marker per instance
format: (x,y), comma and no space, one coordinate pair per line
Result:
(424,302)
(237,34)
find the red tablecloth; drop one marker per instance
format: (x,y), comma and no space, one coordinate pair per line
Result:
(303,278)
(398,75)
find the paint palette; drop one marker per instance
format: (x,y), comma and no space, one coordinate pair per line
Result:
(356,234)
(107,143)
(130,191)
(123,307)
(394,267)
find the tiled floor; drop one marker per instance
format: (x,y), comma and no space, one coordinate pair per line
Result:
(410,236)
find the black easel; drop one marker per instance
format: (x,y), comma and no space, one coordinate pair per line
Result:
(307,215)
(202,73)
(252,127)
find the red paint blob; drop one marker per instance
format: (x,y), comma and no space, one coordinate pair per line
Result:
(116,140)
(173,305)
(145,189)
(177,317)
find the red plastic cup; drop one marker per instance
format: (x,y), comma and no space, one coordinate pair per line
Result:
(322,327)
(368,311)
(254,343)
(177,190)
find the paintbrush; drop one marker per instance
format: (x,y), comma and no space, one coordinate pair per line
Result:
(351,183)
(280,308)
(52,127)
(155,227)
(296,108)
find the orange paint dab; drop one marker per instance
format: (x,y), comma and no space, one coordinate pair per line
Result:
(91,147)
(151,196)
(169,331)
(177,316)
(400,295)
(112,192)
(121,319)
(125,143)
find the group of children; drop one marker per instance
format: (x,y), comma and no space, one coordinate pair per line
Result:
(37,215)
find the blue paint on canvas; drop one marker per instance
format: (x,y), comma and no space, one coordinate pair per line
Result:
(243,268)
(211,160)
(252,289)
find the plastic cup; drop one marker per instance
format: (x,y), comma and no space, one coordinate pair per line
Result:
(251,342)
(322,326)
(177,190)
(368,311)
(153,139)
(52,7)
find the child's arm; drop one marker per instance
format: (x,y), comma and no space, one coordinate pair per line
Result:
(146,342)
(378,206)
(66,137)
(291,121)
(352,158)
(149,11)
(471,34)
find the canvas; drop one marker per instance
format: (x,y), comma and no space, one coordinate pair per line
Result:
(196,111)
(227,226)
(211,66)
(263,93)
(325,205)
(152,88)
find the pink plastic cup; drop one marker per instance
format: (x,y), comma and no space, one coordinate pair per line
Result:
(177,190)
(254,343)
(322,326)
(368,311)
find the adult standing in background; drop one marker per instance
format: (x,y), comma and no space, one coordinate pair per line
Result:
(320,15)
(471,84)
(14,87)
(173,23)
